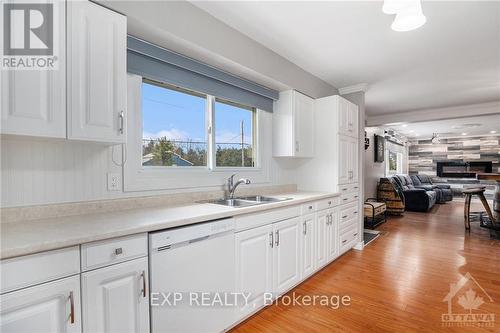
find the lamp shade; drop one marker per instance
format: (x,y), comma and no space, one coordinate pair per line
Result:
(395,6)
(409,18)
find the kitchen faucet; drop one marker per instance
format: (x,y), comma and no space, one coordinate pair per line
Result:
(231,186)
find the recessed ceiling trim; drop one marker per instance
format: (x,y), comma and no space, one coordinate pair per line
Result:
(454,112)
(354,88)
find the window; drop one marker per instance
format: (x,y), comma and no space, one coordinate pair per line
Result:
(394,162)
(175,126)
(173,131)
(234,135)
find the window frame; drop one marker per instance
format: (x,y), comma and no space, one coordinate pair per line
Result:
(188,92)
(255,136)
(210,130)
(136,177)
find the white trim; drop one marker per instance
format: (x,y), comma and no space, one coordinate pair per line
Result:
(360,87)
(453,112)
(138,178)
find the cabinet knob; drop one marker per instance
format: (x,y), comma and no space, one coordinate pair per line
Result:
(118,251)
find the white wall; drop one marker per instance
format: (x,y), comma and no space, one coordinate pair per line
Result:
(374,170)
(184,28)
(36,171)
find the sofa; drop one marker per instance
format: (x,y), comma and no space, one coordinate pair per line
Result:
(443,191)
(415,199)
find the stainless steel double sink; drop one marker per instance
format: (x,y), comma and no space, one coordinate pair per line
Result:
(246,201)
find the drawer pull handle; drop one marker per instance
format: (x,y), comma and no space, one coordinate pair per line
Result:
(304,229)
(344,189)
(355,234)
(329,202)
(72,308)
(344,216)
(355,212)
(277,238)
(310,207)
(143,276)
(356,196)
(355,187)
(345,240)
(345,199)
(271,239)
(118,251)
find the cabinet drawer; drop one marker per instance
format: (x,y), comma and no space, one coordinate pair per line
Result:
(349,197)
(112,251)
(37,268)
(348,213)
(309,208)
(327,203)
(348,238)
(249,221)
(347,188)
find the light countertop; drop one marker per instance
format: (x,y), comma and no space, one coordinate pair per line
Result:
(27,237)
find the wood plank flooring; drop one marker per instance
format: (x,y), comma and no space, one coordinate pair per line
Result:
(399,281)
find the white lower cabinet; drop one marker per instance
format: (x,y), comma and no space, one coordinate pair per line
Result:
(286,255)
(333,231)
(116,298)
(307,246)
(254,266)
(49,307)
(322,220)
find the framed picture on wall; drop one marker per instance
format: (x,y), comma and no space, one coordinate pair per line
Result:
(379,148)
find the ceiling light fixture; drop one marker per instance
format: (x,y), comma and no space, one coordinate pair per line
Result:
(464,133)
(435,138)
(409,15)
(493,132)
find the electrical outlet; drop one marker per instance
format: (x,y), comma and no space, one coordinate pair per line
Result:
(113,181)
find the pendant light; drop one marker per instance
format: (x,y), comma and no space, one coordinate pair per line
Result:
(409,15)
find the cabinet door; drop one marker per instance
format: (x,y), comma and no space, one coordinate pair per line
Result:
(322,219)
(353,160)
(254,264)
(286,272)
(49,307)
(344,159)
(97,73)
(353,120)
(344,120)
(33,102)
(115,298)
(333,227)
(304,125)
(308,250)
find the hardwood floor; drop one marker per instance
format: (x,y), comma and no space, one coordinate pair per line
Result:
(399,281)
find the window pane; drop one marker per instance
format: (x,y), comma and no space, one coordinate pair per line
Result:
(173,127)
(234,135)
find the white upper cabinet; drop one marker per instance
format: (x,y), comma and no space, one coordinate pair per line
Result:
(293,125)
(97,73)
(48,307)
(348,117)
(33,102)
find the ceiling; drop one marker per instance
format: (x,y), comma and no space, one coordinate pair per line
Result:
(470,126)
(454,59)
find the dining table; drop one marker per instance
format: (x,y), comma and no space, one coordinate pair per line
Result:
(496,198)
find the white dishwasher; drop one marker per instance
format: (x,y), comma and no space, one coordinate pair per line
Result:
(192,262)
